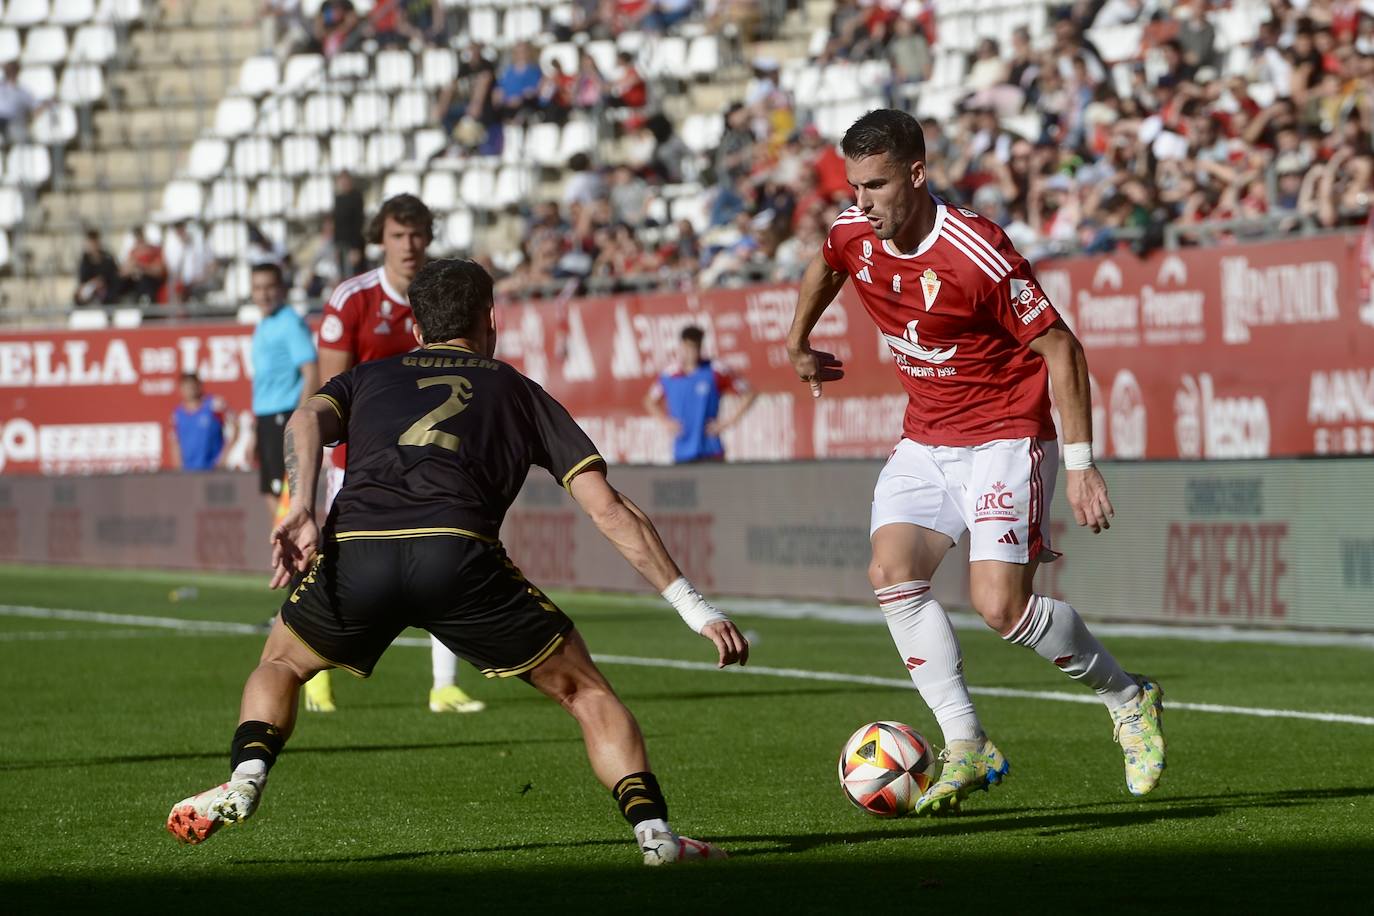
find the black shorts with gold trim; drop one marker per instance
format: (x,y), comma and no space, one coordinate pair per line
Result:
(366,587)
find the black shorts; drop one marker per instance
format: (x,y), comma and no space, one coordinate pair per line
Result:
(271,433)
(361,593)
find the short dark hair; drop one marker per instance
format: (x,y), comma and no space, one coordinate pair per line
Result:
(272,267)
(449,297)
(406,209)
(693,333)
(190,377)
(885,131)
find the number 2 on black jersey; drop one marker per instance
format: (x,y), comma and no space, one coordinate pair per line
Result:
(422,432)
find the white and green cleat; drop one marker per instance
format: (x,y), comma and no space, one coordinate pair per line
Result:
(969,767)
(195,819)
(1139,729)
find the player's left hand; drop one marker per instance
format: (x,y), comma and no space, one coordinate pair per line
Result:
(730,642)
(1087,495)
(714,427)
(294,543)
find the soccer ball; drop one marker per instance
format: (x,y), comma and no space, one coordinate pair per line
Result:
(885,767)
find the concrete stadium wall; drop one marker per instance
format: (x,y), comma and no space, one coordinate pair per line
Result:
(1248,543)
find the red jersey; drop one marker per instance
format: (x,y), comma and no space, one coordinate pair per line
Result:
(369,319)
(957,315)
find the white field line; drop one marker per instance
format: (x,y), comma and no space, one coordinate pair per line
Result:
(836,677)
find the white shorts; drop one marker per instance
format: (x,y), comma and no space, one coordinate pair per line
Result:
(999,492)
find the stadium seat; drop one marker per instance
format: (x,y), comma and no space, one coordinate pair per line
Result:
(55,125)
(410,110)
(522,23)
(604,53)
(44,45)
(513,144)
(259,75)
(303,73)
(124,11)
(440,191)
(9,45)
(228,239)
(578,137)
(94,44)
(228,199)
(394,70)
(703,56)
(82,84)
(457,232)
(271,197)
(384,152)
(564,52)
(4,250)
(666,58)
(315,196)
(28,165)
(476,189)
(542,142)
(702,132)
(235,116)
(11,207)
(126,318)
(401,183)
(350,66)
(301,156)
(41,82)
(514,184)
(182,199)
(238,283)
(277,115)
(253,156)
(438,68)
(207,159)
(346,152)
(696,209)
(1118,42)
(71,12)
(323,114)
(88,320)
(367,112)
(483,26)
(428,144)
(26,13)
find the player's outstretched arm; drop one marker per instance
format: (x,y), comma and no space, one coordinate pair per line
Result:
(819,286)
(1068,368)
(631,532)
(296,538)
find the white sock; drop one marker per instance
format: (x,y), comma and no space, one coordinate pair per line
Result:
(657,824)
(930,650)
(1058,635)
(445,664)
(255,770)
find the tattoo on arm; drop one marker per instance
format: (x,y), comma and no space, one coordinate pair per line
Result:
(293,464)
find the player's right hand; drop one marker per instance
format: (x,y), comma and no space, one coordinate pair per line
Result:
(815,367)
(730,642)
(294,543)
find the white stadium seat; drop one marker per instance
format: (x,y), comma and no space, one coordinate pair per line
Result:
(11,207)
(394,70)
(71,12)
(55,125)
(41,82)
(410,110)
(271,197)
(253,156)
(82,84)
(483,26)
(440,190)
(666,57)
(563,52)
(207,159)
(513,144)
(604,53)
(235,116)
(94,44)
(702,132)
(384,152)
(578,137)
(522,23)
(181,200)
(259,75)
(703,56)
(476,189)
(323,114)
(4,250)
(119,11)
(401,183)
(301,156)
(542,142)
(44,45)
(367,112)
(350,66)
(457,232)
(26,13)
(228,199)
(9,45)
(228,239)
(315,196)
(28,165)
(278,115)
(429,143)
(346,152)
(438,68)
(303,73)
(514,185)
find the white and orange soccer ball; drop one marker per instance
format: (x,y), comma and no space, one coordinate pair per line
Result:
(885,767)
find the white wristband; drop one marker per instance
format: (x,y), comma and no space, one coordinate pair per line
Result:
(694,610)
(1078,456)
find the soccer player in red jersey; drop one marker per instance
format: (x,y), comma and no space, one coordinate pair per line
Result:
(368,317)
(975,342)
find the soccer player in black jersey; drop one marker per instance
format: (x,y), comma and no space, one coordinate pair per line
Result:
(439,443)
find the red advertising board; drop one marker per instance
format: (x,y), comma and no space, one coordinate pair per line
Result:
(1223,352)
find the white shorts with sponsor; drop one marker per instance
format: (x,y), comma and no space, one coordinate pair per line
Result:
(999,492)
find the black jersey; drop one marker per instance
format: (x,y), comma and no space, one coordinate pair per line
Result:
(440,441)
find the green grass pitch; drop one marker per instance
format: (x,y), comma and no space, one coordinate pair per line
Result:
(386,807)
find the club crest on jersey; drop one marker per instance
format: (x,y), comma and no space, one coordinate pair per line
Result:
(868,249)
(896,283)
(930,287)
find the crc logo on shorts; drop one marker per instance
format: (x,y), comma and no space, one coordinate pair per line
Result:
(996,505)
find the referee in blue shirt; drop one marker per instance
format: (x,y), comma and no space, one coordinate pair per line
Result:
(285,373)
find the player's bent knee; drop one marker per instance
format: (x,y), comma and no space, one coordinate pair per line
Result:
(999,608)
(882,574)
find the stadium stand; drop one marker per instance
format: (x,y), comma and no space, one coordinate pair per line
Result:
(597,146)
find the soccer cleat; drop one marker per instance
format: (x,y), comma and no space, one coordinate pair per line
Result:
(1139,729)
(193,820)
(319,694)
(969,766)
(453,699)
(661,848)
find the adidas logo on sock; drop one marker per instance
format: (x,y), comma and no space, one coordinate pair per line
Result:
(1009,537)
(913,663)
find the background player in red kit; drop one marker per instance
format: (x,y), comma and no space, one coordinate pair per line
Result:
(974,340)
(368,318)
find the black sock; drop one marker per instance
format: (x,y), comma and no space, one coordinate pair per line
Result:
(255,741)
(640,798)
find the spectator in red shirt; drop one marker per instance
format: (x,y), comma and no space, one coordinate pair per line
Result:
(629,89)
